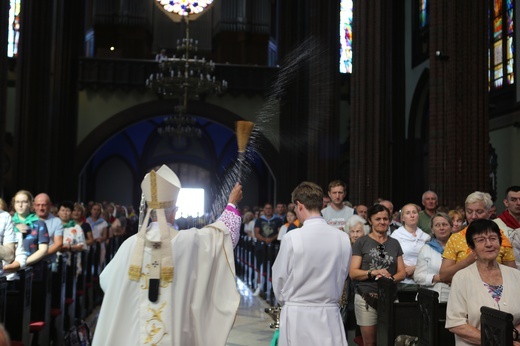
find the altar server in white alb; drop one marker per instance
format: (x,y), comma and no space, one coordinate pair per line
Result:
(309,274)
(168,287)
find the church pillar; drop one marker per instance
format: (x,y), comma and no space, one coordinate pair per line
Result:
(4,22)
(46,97)
(377,99)
(323,122)
(459,124)
(309,113)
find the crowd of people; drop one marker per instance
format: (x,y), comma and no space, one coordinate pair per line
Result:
(34,231)
(429,246)
(329,253)
(42,229)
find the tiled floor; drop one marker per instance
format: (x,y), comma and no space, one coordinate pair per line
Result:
(251,326)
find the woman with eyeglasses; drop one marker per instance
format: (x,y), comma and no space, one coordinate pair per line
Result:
(374,256)
(430,257)
(485,282)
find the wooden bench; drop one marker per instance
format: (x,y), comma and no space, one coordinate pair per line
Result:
(496,327)
(41,304)
(272,253)
(19,306)
(58,302)
(394,318)
(3,296)
(89,283)
(81,288)
(432,331)
(70,291)
(96,270)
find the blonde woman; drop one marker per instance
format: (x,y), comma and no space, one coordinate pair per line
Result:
(430,257)
(411,238)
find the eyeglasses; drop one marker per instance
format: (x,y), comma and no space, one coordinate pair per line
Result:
(482,240)
(381,249)
(444,224)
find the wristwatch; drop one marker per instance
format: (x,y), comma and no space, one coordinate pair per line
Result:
(369,274)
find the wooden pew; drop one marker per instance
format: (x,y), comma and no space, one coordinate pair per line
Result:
(89,282)
(261,266)
(19,306)
(496,327)
(394,318)
(81,289)
(272,252)
(70,291)
(238,257)
(250,261)
(96,270)
(3,296)
(432,331)
(58,301)
(41,304)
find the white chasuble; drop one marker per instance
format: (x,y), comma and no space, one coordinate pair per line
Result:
(197,308)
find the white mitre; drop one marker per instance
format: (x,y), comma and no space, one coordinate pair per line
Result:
(160,189)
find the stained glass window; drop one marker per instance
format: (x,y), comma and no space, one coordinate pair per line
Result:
(14,28)
(501,54)
(420,31)
(345,36)
(423,14)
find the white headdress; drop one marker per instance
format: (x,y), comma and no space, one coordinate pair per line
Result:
(160,190)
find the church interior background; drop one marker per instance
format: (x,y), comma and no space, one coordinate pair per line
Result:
(393,97)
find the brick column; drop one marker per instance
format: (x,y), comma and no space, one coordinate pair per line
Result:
(46,97)
(4,21)
(309,111)
(323,122)
(376,95)
(459,125)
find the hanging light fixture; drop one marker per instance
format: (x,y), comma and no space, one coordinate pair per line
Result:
(183,7)
(185,76)
(178,9)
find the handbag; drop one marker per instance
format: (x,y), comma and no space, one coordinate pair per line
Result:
(343,310)
(406,340)
(370,298)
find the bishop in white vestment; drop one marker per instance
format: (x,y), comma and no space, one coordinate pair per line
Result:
(168,287)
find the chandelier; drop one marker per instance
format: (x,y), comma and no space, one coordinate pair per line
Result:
(186,77)
(183,7)
(180,124)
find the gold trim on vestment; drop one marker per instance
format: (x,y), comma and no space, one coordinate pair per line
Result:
(160,205)
(154,203)
(153,185)
(167,274)
(134,272)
